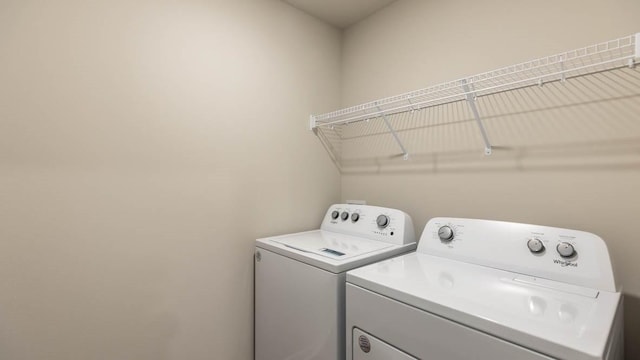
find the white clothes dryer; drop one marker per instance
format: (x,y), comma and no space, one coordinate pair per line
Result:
(479,289)
(300,279)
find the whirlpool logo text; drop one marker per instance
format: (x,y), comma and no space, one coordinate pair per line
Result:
(565,263)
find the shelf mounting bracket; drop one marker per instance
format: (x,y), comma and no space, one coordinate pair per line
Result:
(471,100)
(405,154)
(312,123)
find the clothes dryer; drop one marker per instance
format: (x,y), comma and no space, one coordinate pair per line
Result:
(479,289)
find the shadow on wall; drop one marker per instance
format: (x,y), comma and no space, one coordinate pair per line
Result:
(621,154)
(631,327)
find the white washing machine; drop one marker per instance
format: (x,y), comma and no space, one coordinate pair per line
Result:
(300,279)
(479,289)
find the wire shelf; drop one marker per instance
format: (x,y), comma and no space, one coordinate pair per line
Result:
(357,131)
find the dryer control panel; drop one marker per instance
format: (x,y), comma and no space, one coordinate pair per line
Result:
(372,222)
(563,255)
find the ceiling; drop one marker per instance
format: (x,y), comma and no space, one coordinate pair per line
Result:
(339,13)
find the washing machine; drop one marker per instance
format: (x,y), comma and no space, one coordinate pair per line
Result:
(300,279)
(480,289)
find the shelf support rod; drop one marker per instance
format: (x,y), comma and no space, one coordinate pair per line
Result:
(471,100)
(637,45)
(405,154)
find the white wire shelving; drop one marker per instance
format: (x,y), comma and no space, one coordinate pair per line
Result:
(394,114)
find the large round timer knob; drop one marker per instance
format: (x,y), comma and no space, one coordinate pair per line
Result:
(382,221)
(535,245)
(335,214)
(445,233)
(566,250)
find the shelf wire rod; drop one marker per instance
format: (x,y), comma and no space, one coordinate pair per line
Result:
(604,87)
(508,105)
(451,98)
(599,112)
(471,100)
(524,100)
(626,80)
(497,106)
(334,154)
(405,154)
(626,112)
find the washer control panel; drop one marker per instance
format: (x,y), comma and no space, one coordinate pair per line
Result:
(570,256)
(373,222)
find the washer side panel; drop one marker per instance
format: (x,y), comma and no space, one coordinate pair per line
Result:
(298,310)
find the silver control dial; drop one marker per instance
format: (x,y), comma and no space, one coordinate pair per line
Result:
(355,217)
(535,245)
(445,233)
(382,221)
(335,214)
(565,249)
(344,216)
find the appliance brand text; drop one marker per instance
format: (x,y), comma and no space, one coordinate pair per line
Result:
(565,263)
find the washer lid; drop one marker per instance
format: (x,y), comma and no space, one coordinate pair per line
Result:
(332,251)
(559,320)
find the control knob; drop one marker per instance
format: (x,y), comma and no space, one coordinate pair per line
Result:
(355,217)
(382,221)
(344,216)
(535,245)
(335,214)
(566,250)
(445,233)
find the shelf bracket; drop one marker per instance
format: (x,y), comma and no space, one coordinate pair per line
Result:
(405,154)
(312,123)
(410,104)
(471,100)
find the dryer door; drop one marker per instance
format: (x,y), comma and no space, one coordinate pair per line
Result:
(367,347)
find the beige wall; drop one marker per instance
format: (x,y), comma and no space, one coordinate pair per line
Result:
(413,43)
(144,145)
